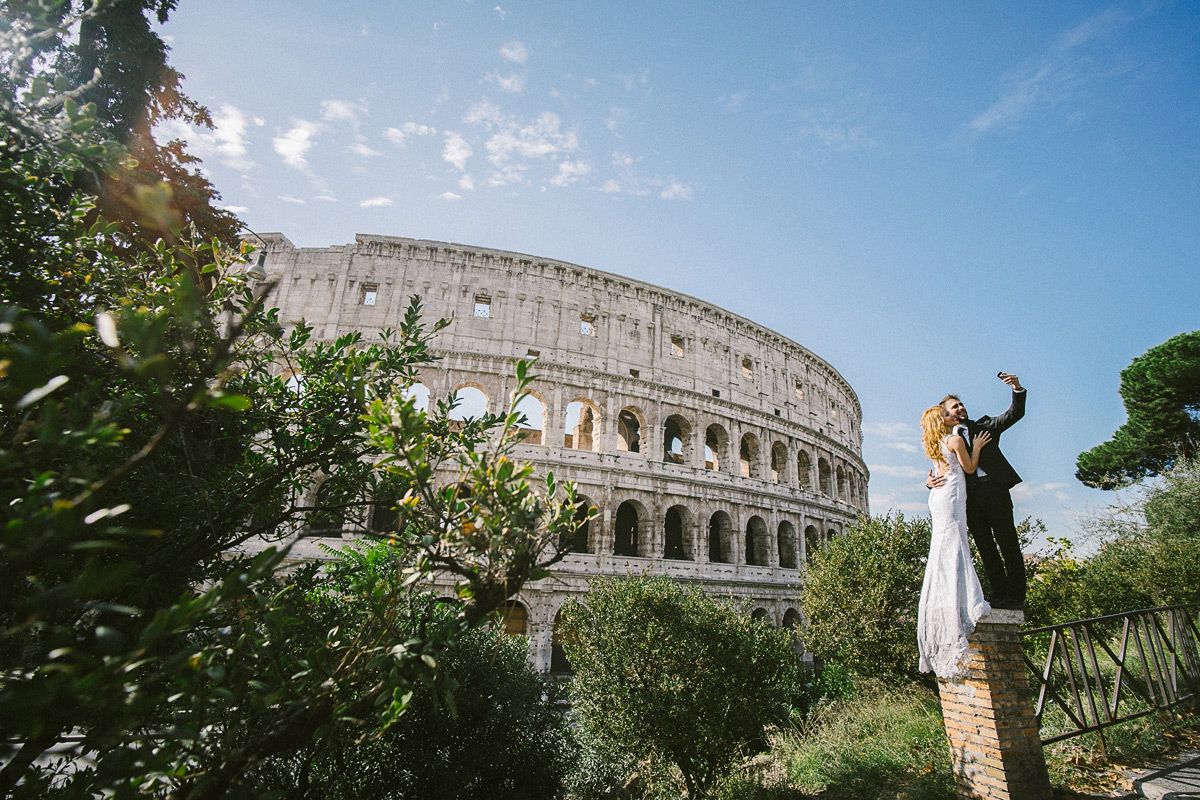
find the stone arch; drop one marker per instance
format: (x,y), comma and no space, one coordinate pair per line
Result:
(720,538)
(779,461)
(824,477)
(843,491)
(582,426)
(470,402)
(761,614)
(804,469)
(756,542)
(514,618)
(791,619)
(630,424)
(748,460)
(716,445)
(677,533)
(559,664)
(677,446)
(419,394)
(532,429)
(785,539)
(812,541)
(579,541)
(631,527)
(832,534)
(383,516)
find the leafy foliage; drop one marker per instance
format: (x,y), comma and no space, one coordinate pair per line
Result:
(667,675)
(147,433)
(1161,392)
(860,597)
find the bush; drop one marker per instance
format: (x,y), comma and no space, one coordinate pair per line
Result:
(860,597)
(669,676)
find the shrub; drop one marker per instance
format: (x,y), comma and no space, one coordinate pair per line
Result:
(666,674)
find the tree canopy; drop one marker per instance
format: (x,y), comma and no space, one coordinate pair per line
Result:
(1161,392)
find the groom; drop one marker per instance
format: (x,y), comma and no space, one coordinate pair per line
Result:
(989,504)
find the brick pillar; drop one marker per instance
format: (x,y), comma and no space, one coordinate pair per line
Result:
(994,741)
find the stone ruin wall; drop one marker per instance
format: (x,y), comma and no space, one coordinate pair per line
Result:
(680,367)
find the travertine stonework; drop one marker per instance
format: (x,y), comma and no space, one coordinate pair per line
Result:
(748,445)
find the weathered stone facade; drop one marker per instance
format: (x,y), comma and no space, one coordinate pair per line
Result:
(716,450)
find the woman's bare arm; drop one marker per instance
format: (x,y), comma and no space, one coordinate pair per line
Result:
(969,460)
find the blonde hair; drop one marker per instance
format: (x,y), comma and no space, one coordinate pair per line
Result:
(933,430)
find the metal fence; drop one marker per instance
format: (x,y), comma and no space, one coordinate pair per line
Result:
(1102,671)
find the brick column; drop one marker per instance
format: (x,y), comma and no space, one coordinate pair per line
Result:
(994,741)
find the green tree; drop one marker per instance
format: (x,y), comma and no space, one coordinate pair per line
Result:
(666,674)
(861,593)
(1161,392)
(147,430)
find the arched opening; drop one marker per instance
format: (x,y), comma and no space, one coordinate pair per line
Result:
(514,618)
(791,619)
(804,470)
(559,665)
(842,490)
(469,403)
(831,534)
(582,426)
(812,540)
(748,456)
(778,462)
(629,431)
(532,425)
(385,519)
(677,538)
(577,542)
(327,519)
(716,442)
(629,525)
(756,542)
(760,614)
(675,440)
(786,541)
(418,393)
(720,538)
(824,477)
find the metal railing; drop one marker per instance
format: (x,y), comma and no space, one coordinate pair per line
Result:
(1149,658)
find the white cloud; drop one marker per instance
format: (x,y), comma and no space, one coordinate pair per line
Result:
(616,118)
(294,144)
(610,186)
(399,136)
(449,196)
(620,159)
(501,11)
(570,172)
(456,151)
(342,110)
(365,150)
(325,198)
(287,198)
(513,142)
(904,447)
(376,202)
(1052,76)
(1028,491)
(235,209)
(674,190)
(466,183)
(514,52)
(513,83)
(224,142)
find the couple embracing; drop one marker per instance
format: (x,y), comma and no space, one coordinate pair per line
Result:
(969,491)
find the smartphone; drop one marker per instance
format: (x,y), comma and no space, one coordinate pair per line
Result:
(1001,375)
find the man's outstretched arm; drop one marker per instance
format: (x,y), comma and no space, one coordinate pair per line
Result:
(1016,410)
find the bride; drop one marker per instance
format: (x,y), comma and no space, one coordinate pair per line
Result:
(951,598)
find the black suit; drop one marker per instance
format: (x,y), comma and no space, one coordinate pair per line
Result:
(990,509)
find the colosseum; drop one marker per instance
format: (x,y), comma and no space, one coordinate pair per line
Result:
(716,450)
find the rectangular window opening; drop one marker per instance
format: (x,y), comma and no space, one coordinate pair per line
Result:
(677,346)
(483,306)
(716,393)
(633,373)
(368,294)
(587,325)
(747,367)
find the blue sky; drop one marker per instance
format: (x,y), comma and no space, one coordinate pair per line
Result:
(923,194)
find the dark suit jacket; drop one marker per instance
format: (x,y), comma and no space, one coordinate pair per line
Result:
(992,460)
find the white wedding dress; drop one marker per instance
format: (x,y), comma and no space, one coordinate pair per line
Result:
(951,598)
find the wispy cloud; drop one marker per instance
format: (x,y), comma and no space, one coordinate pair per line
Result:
(514,51)
(235,209)
(570,172)
(399,136)
(501,11)
(513,83)
(1028,491)
(615,119)
(674,190)
(513,142)
(342,110)
(1053,76)
(376,202)
(365,150)
(893,471)
(287,198)
(294,143)
(225,142)
(449,197)
(456,151)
